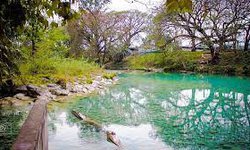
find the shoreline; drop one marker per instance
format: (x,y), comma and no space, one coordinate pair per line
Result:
(27,95)
(161,70)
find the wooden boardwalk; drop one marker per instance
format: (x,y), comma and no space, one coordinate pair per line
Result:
(34,134)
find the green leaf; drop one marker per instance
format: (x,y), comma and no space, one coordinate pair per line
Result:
(178,6)
(186,5)
(50,13)
(53,24)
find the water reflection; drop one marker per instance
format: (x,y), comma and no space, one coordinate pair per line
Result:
(215,120)
(183,111)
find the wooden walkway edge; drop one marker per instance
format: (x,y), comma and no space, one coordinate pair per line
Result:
(34,134)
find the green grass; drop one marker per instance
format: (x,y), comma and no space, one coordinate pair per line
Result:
(54,70)
(231,63)
(170,61)
(109,75)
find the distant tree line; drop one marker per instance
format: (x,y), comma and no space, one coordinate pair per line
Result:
(212,23)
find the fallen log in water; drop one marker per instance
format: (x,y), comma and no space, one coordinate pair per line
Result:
(111,136)
(87,120)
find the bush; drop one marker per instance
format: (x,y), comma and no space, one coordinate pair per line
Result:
(109,75)
(89,80)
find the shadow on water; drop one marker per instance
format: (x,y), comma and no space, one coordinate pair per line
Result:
(161,111)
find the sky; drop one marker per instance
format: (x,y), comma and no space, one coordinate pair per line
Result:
(141,5)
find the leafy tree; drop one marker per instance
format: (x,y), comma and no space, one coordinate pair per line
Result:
(178,5)
(99,35)
(210,23)
(14,14)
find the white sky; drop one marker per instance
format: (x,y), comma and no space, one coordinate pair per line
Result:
(121,5)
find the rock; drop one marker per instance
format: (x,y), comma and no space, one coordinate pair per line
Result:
(69,86)
(23,97)
(46,79)
(75,87)
(79,88)
(115,79)
(21,89)
(56,90)
(98,78)
(89,88)
(52,85)
(100,87)
(109,81)
(85,90)
(45,93)
(59,92)
(95,84)
(12,101)
(49,96)
(5,101)
(34,91)
(148,70)
(158,70)
(17,102)
(103,81)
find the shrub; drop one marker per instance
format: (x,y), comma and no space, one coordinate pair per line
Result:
(89,80)
(109,75)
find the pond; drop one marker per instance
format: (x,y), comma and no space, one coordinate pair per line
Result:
(157,111)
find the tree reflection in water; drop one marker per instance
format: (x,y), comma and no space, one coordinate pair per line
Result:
(218,120)
(188,111)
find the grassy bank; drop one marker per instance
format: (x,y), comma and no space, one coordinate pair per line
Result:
(55,70)
(170,61)
(233,63)
(52,62)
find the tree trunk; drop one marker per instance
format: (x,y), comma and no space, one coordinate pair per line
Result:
(247,38)
(221,45)
(235,42)
(214,54)
(193,44)
(211,51)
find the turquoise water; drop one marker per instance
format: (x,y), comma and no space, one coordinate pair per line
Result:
(154,111)
(11,120)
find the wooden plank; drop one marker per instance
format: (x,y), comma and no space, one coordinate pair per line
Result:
(34,134)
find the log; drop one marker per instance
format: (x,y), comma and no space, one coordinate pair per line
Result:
(111,136)
(87,120)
